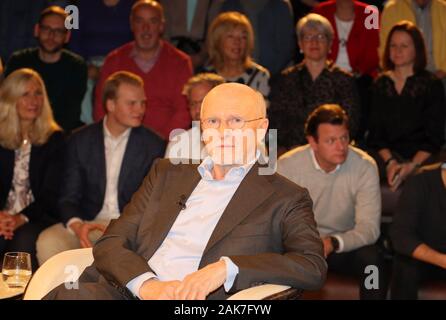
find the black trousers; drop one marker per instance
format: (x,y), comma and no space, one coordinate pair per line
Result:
(355,262)
(409,276)
(24,240)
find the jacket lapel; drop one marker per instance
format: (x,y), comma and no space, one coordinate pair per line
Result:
(253,190)
(180,182)
(131,155)
(98,158)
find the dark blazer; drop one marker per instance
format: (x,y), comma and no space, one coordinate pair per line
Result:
(267,230)
(46,163)
(420,217)
(83,187)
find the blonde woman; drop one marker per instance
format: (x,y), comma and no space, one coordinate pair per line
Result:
(230,46)
(31,154)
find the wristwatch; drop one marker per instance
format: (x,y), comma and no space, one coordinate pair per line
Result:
(334,243)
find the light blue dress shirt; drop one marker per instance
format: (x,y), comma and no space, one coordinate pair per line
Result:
(181,251)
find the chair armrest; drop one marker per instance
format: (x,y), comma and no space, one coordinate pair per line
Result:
(53,272)
(268,292)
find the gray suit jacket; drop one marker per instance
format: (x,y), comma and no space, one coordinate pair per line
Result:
(267,230)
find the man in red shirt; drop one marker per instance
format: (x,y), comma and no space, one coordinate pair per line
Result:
(163,68)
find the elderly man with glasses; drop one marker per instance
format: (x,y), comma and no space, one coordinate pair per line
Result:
(208,230)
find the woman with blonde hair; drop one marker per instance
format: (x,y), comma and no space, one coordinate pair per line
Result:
(31,154)
(230,46)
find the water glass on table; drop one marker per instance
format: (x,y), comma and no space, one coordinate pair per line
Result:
(16,270)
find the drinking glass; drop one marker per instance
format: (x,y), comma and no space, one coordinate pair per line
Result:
(16,270)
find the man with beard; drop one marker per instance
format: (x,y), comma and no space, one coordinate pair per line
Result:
(64,73)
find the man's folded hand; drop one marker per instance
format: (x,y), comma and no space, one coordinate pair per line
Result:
(158,290)
(197,285)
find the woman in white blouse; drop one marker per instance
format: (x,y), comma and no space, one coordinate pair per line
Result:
(31,155)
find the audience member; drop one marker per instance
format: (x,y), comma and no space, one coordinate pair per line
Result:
(429,16)
(273,25)
(419,232)
(354,47)
(17,18)
(230,45)
(343,182)
(407,113)
(163,68)
(189,145)
(315,81)
(105,164)
(64,73)
(196,232)
(31,153)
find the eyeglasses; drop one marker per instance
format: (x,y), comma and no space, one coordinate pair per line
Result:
(58,32)
(231,123)
(320,37)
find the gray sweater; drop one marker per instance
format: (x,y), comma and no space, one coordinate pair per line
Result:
(347,202)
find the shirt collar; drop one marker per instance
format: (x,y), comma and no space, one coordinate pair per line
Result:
(134,54)
(108,135)
(318,167)
(235,173)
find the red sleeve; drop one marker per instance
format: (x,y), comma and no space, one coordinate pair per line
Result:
(181,116)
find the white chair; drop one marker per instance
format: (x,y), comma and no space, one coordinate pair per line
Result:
(67,266)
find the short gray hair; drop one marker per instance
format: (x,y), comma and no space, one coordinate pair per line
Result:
(211,79)
(315,21)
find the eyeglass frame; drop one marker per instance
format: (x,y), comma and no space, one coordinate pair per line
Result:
(320,37)
(59,32)
(227,124)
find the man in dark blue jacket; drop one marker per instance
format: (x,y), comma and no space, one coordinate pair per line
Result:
(105,164)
